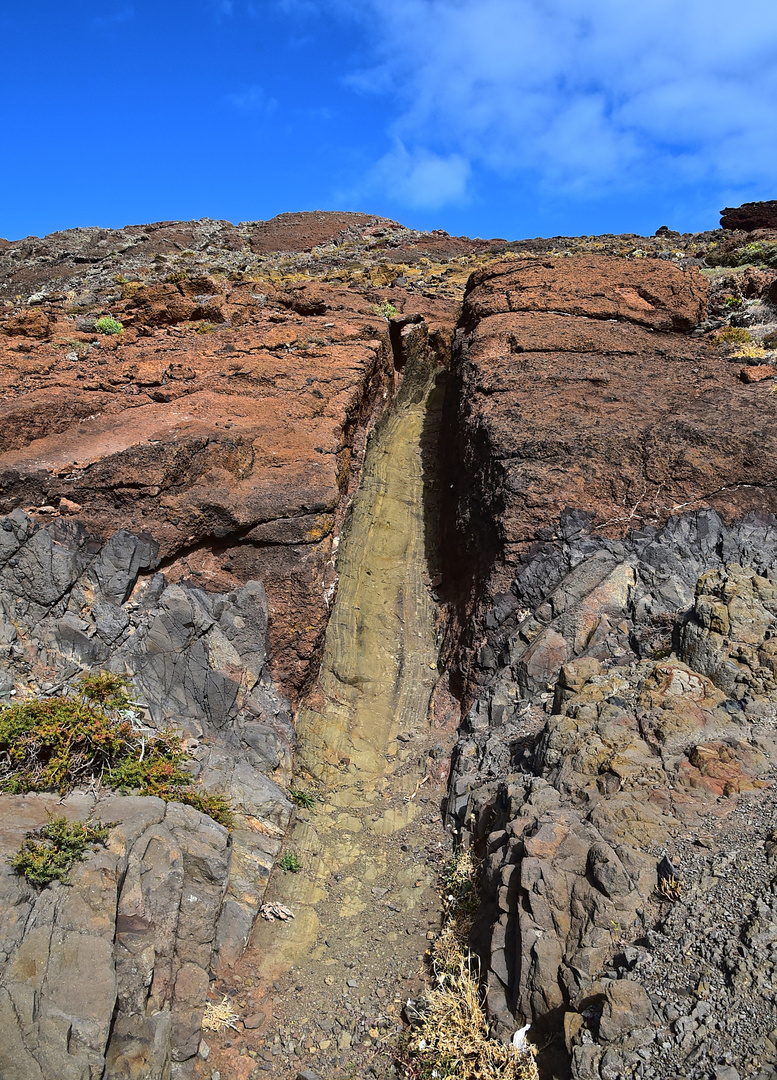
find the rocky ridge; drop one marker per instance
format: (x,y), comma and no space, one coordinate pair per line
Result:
(217,442)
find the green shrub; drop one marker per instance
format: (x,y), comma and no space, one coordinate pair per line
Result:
(48,854)
(731,335)
(302,798)
(731,303)
(290,863)
(756,253)
(386,309)
(107,325)
(60,743)
(760,253)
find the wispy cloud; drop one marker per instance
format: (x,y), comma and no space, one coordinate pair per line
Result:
(222,9)
(116,18)
(252,100)
(419,178)
(582,96)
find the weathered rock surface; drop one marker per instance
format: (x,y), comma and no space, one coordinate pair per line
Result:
(233,450)
(750,216)
(197,661)
(185,483)
(640,756)
(229,417)
(108,975)
(573,388)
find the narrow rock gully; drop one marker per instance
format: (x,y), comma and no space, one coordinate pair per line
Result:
(324,991)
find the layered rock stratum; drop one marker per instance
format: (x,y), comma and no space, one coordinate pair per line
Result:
(589,539)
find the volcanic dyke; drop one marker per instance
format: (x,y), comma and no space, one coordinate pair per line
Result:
(605,444)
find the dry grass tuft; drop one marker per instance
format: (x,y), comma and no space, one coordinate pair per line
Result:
(451,1037)
(219,1016)
(670,889)
(452,1041)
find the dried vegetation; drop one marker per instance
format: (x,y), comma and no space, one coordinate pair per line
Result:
(450,1036)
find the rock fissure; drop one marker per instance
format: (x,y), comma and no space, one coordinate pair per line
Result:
(591,505)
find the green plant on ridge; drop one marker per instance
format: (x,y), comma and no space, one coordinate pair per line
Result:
(731,335)
(386,309)
(290,863)
(302,798)
(88,737)
(108,325)
(48,854)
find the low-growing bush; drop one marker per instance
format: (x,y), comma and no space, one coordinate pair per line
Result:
(731,335)
(49,853)
(386,309)
(756,253)
(88,737)
(108,325)
(750,351)
(290,863)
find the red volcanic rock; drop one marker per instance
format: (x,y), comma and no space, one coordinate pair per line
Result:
(757,373)
(647,292)
(750,216)
(304,231)
(573,390)
(235,449)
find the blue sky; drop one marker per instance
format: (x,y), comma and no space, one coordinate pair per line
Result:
(505,118)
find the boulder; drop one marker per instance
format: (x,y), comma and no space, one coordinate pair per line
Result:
(750,216)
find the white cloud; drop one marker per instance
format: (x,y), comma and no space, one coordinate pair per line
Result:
(582,95)
(420,178)
(252,100)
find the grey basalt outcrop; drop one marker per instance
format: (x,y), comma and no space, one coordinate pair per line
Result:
(630,711)
(108,975)
(145,924)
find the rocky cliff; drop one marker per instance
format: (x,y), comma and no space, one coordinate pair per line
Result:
(614,493)
(186,408)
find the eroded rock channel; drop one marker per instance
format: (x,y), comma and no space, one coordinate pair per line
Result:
(448,536)
(327,987)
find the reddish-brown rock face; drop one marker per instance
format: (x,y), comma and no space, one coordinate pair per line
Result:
(648,293)
(235,447)
(575,389)
(750,216)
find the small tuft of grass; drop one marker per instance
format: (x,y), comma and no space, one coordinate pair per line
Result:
(290,863)
(305,799)
(108,325)
(49,853)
